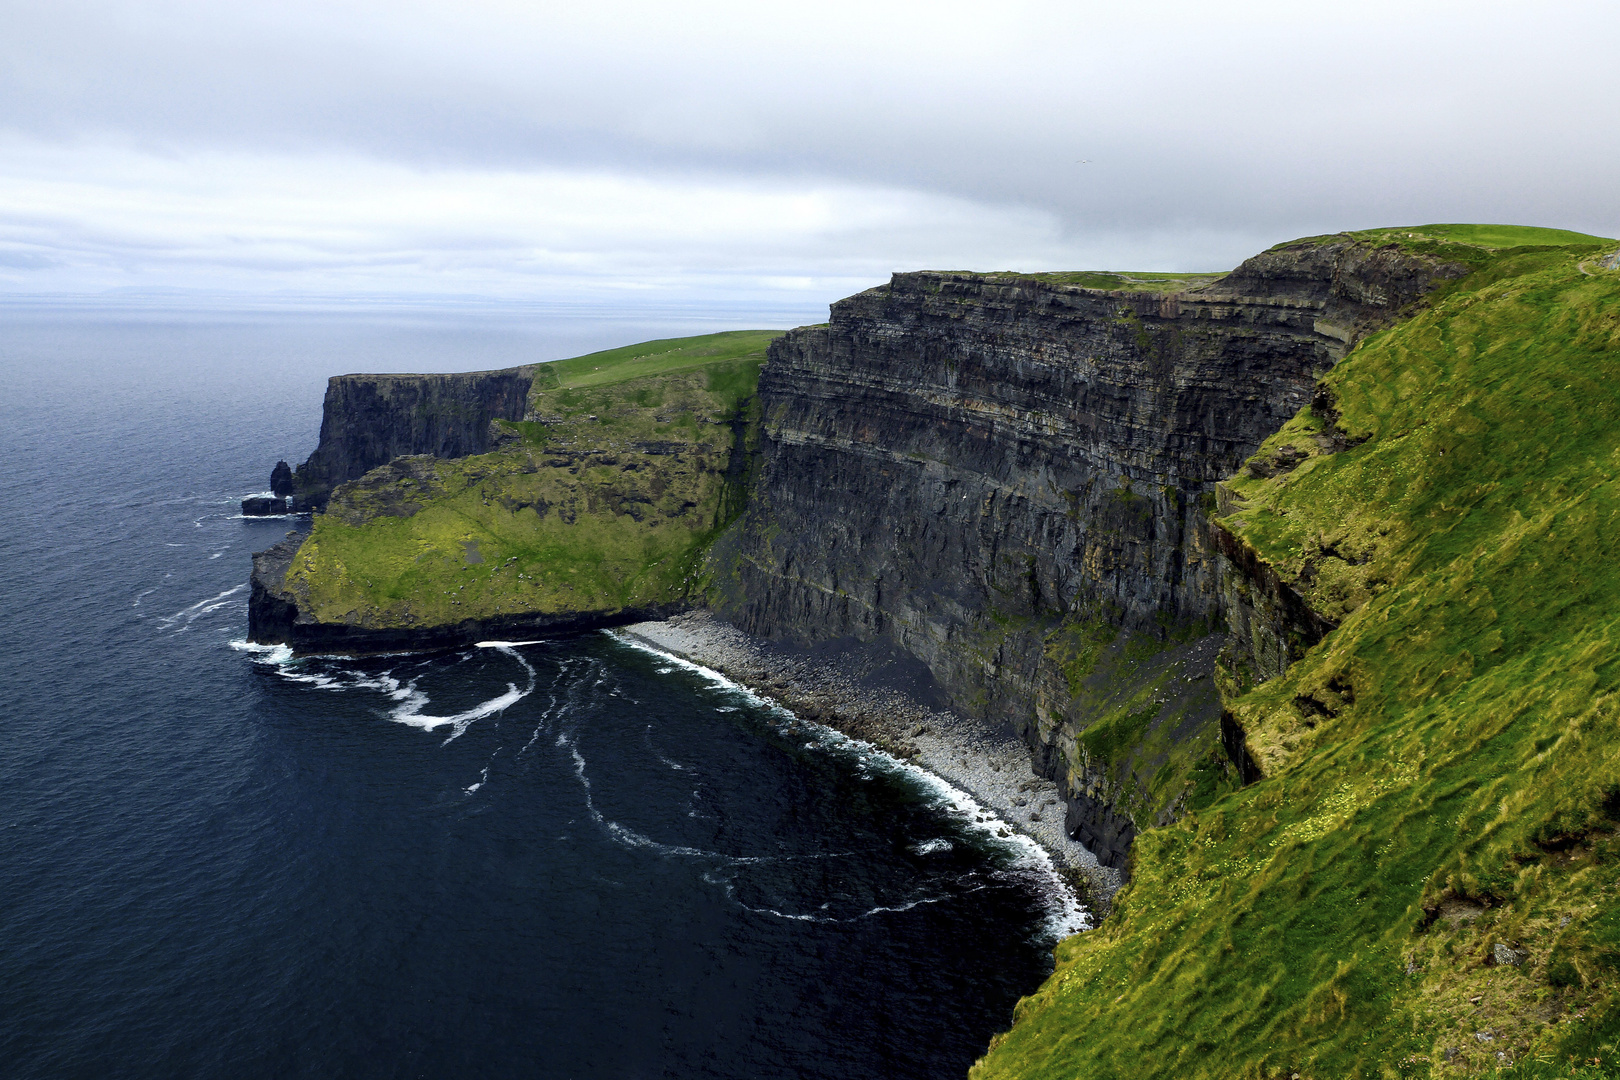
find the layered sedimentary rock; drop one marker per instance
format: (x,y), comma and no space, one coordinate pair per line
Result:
(593,511)
(1006,477)
(368,420)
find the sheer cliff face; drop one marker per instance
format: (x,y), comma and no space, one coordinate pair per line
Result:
(368,420)
(1005,478)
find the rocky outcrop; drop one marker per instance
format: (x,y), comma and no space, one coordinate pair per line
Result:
(368,420)
(272,609)
(281,481)
(261,506)
(1270,623)
(977,468)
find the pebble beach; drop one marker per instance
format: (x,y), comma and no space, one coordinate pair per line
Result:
(990,764)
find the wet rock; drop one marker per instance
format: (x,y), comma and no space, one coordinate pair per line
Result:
(1506,954)
(281,480)
(260,506)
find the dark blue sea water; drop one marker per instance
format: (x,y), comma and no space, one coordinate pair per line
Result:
(562,859)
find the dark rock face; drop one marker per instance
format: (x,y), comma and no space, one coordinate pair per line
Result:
(281,480)
(259,506)
(368,420)
(272,610)
(964,465)
(1270,622)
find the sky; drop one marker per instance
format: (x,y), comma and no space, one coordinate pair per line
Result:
(768,154)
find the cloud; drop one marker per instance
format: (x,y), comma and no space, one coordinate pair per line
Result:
(506,146)
(108,217)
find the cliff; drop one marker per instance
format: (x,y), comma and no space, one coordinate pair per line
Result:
(369,420)
(1418,568)
(592,508)
(1006,477)
(1299,583)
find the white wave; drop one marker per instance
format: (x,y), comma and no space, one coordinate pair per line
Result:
(483,778)
(1030,863)
(731,894)
(269,654)
(410,712)
(505,646)
(188,615)
(707,672)
(907,907)
(629,838)
(413,701)
(928,847)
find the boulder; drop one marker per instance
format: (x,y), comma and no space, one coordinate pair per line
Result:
(259,506)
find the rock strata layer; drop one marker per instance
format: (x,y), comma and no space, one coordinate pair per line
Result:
(369,420)
(1004,480)
(1008,479)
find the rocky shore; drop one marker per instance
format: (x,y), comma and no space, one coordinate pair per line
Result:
(989,763)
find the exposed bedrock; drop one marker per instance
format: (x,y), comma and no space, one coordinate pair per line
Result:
(1008,478)
(281,481)
(263,506)
(368,420)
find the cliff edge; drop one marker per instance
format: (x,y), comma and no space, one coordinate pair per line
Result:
(1007,478)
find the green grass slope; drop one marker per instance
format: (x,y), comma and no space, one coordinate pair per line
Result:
(1442,772)
(665,356)
(1484,240)
(603,500)
(1112,280)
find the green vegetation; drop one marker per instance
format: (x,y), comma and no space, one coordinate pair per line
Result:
(1475,245)
(1498,237)
(1119,281)
(605,498)
(1442,772)
(661,357)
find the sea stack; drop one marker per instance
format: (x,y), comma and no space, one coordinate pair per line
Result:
(281,480)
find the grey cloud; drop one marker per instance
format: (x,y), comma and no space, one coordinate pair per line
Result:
(1229,126)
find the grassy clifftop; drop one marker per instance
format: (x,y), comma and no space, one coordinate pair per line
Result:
(1442,772)
(602,499)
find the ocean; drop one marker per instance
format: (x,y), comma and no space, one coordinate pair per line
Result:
(564,858)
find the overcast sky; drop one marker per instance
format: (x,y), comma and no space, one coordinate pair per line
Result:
(769,153)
